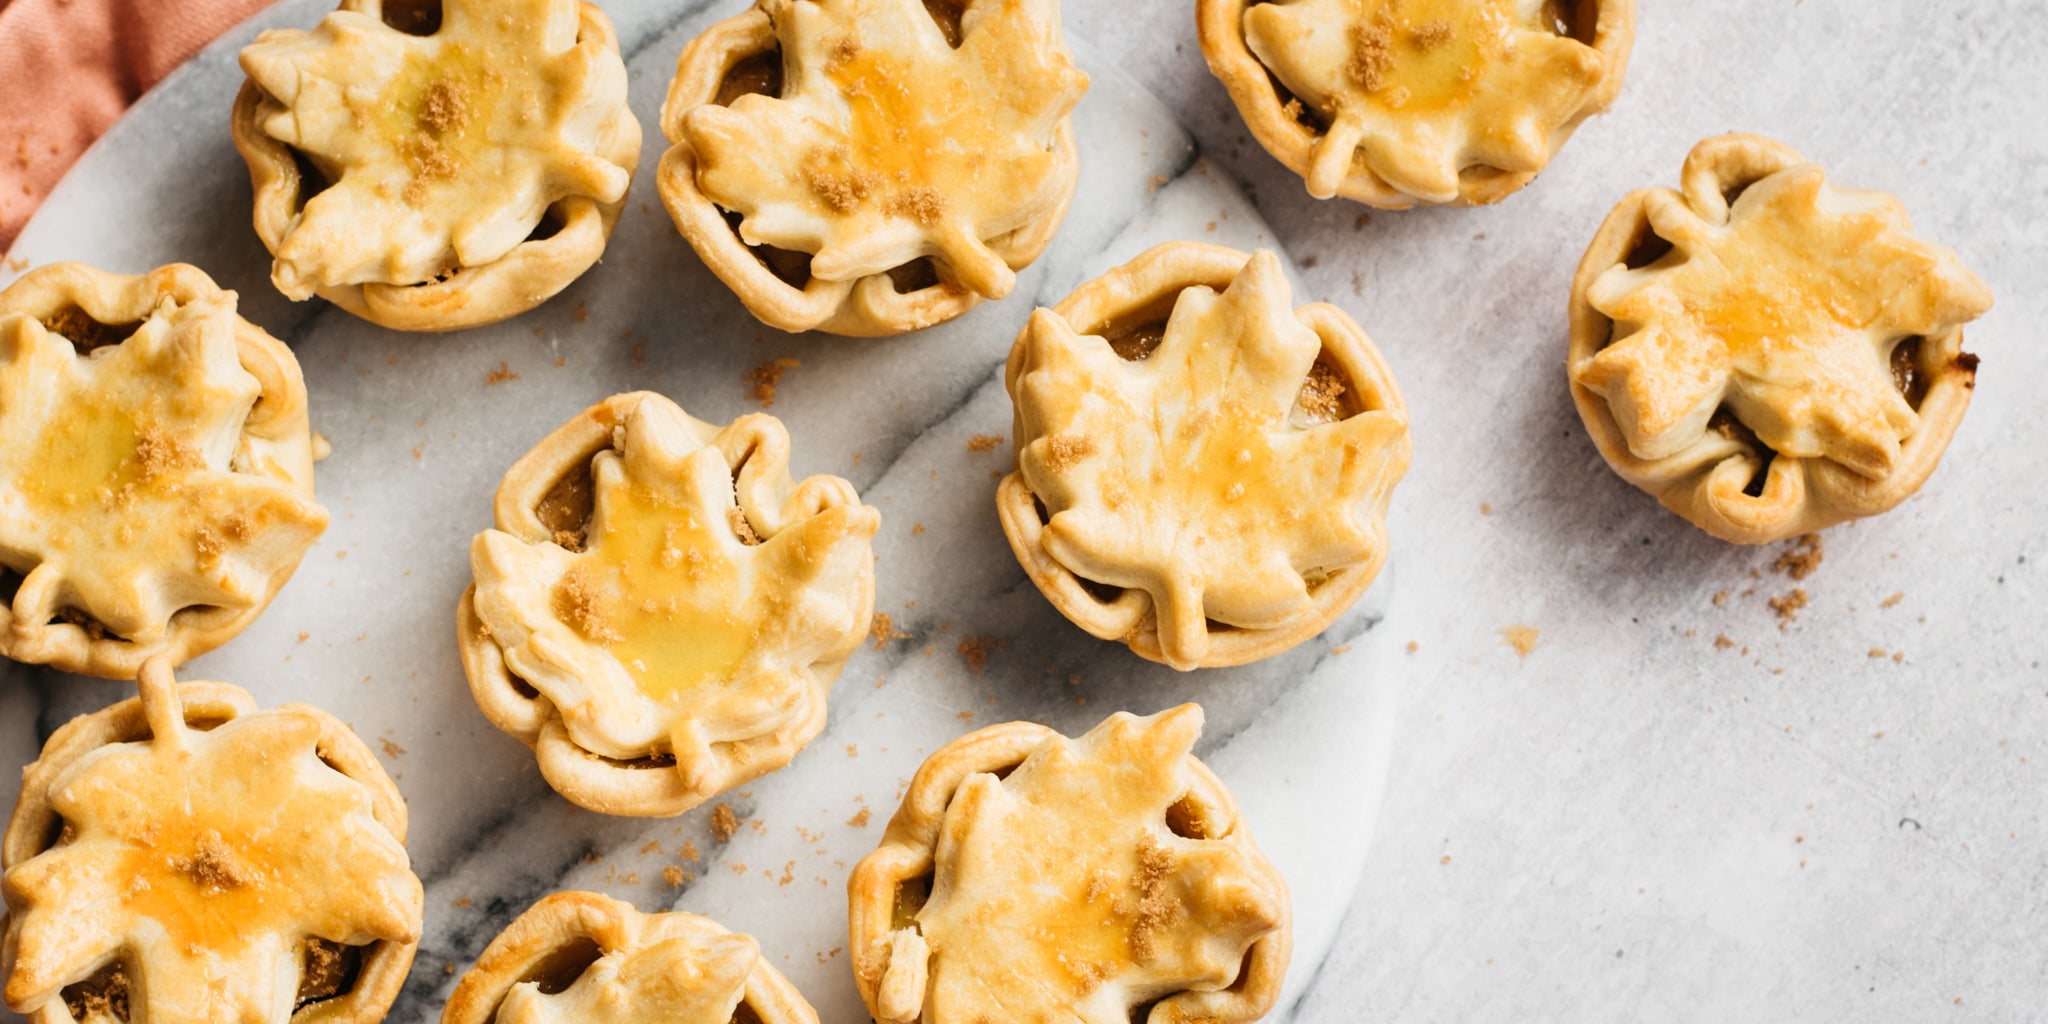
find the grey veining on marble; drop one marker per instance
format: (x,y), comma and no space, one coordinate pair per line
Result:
(424,426)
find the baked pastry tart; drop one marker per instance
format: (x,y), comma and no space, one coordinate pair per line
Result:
(184,858)
(582,958)
(1768,354)
(661,611)
(430,165)
(1397,103)
(156,468)
(1203,470)
(1029,876)
(869,167)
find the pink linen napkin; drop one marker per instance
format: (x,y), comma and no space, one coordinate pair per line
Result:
(68,68)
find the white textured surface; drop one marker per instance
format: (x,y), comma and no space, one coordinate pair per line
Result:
(421,437)
(1640,826)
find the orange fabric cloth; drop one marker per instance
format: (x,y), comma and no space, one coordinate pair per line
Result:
(68,68)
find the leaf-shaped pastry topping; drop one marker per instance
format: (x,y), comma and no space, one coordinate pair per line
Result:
(443,150)
(888,144)
(1188,474)
(678,627)
(121,490)
(1785,307)
(1060,892)
(205,860)
(1421,89)
(678,981)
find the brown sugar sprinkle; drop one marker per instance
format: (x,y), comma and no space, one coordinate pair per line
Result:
(579,314)
(1892,601)
(1787,607)
(842,192)
(1879,652)
(159,453)
(766,377)
(984,442)
(1431,35)
(883,629)
(445,107)
(1521,638)
(920,203)
(392,749)
(1801,558)
(688,852)
(1372,56)
(1158,908)
(675,876)
(1722,643)
(724,823)
(500,375)
(1063,450)
(740,527)
(576,603)
(213,865)
(1322,396)
(976,650)
(860,818)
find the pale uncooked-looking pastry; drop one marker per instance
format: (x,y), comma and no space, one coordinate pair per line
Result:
(156,468)
(1396,103)
(661,610)
(184,858)
(437,165)
(1203,470)
(1766,353)
(582,958)
(868,167)
(1029,876)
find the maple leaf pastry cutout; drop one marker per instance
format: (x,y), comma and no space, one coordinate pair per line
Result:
(437,168)
(1029,876)
(870,167)
(1401,102)
(156,471)
(1209,486)
(1765,352)
(661,611)
(633,968)
(186,858)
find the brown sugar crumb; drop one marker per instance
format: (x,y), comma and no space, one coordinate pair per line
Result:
(213,865)
(1372,56)
(445,108)
(1431,35)
(740,527)
(845,48)
(842,192)
(159,453)
(675,876)
(579,314)
(1158,909)
(860,818)
(576,603)
(104,996)
(392,749)
(689,852)
(984,442)
(976,650)
(1892,601)
(1322,396)
(724,823)
(1722,643)
(1879,652)
(1063,450)
(1413,647)
(1720,599)
(1787,608)
(921,203)
(917,529)
(1801,558)
(883,629)
(766,377)
(500,375)
(1521,638)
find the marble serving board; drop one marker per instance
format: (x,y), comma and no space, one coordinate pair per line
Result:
(423,426)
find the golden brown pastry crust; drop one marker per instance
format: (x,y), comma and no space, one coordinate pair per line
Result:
(1336,546)
(1196,832)
(1358,164)
(461,296)
(1714,471)
(868,302)
(203,708)
(531,946)
(265,483)
(700,747)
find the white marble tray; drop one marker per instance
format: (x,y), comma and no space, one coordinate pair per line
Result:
(421,435)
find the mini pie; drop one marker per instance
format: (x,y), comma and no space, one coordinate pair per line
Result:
(1765,353)
(184,858)
(661,612)
(1396,103)
(1202,471)
(156,468)
(582,958)
(869,167)
(1029,876)
(430,165)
